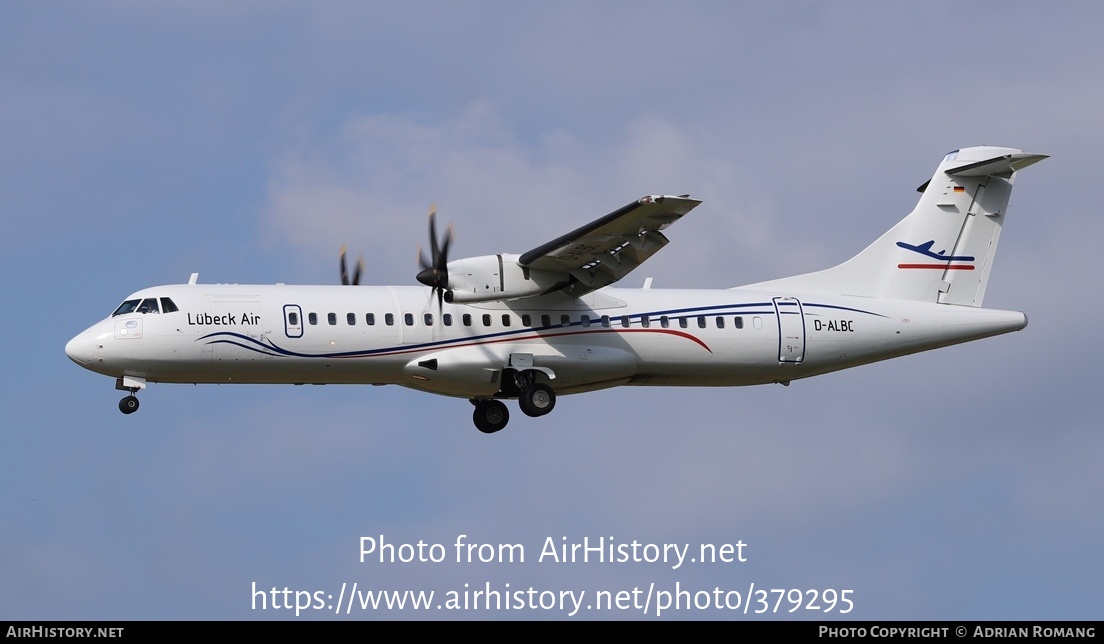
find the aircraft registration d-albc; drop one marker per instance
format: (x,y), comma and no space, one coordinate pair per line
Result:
(547,322)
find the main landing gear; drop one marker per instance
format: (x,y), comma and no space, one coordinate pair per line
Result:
(490,415)
(537,400)
(534,398)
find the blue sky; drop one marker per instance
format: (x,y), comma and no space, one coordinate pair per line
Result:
(249,141)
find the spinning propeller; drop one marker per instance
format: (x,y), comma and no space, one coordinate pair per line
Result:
(434,271)
(345,272)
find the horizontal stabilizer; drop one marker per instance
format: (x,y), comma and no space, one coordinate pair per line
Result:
(1002,166)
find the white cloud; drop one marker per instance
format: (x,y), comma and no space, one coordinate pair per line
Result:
(371,183)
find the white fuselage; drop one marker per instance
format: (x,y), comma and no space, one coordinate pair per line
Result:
(534,325)
(322,335)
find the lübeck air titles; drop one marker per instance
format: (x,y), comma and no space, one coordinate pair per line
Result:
(225,319)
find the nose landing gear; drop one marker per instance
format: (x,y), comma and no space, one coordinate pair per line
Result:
(129,404)
(132,384)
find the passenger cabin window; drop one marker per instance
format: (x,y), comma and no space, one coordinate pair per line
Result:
(645,322)
(664,321)
(526,320)
(168,306)
(546,320)
(720,322)
(312,318)
(447,319)
(331,318)
(683,323)
(505,319)
(408,319)
(428,319)
(370,318)
(625,321)
(738,322)
(565,320)
(606,321)
(293,318)
(701,321)
(585,320)
(351,319)
(466,319)
(486,319)
(389,319)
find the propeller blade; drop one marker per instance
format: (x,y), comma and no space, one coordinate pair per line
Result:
(434,273)
(433,249)
(358,271)
(344,271)
(445,246)
(422,261)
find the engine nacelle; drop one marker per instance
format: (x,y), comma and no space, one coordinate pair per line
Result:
(495,277)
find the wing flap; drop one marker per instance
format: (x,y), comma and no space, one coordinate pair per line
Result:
(605,250)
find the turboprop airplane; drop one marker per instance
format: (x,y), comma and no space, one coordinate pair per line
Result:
(547,323)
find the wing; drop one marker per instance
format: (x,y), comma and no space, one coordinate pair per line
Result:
(605,250)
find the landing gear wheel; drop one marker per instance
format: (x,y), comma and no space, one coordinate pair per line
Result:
(128,405)
(537,400)
(490,416)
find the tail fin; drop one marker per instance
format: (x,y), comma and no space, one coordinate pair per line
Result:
(943,251)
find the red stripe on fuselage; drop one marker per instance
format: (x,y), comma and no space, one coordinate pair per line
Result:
(534,336)
(949,267)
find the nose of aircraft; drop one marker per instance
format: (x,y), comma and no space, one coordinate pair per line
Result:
(79,349)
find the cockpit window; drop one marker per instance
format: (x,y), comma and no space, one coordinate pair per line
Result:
(149,305)
(126,307)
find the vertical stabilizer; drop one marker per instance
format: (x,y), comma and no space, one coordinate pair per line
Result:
(941,252)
